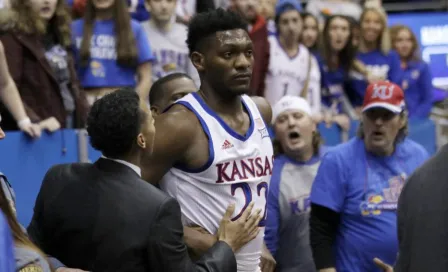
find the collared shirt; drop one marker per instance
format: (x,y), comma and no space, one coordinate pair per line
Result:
(128,164)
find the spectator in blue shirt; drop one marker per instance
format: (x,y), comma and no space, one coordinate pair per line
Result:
(112,50)
(417,78)
(335,61)
(375,59)
(355,193)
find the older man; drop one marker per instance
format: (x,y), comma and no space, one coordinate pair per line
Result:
(355,193)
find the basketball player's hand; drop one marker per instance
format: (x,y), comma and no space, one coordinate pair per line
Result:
(241,231)
(268,262)
(50,124)
(383,266)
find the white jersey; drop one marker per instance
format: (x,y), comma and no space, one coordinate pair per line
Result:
(238,171)
(170,51)
(287,75)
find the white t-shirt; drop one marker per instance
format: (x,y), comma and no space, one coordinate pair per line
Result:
(287,75)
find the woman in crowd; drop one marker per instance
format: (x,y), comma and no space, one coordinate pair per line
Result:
(417,79)
(297,147)
(10,97)
(36,37)
(310,32)
(375,60)
(335,61)
(292,70)
(111,50)
(355,193)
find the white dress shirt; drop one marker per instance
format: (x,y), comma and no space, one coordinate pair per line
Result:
(128,164)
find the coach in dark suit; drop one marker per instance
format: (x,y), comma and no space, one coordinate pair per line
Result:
(104,217)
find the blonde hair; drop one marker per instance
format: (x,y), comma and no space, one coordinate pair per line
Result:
(19,236)
(384,43)
(30,22)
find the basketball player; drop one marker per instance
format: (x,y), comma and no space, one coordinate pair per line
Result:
(166,90)
(212,147)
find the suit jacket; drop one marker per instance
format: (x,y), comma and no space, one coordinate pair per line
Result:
(104,217)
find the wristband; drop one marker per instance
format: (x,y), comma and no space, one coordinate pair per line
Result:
(24,122)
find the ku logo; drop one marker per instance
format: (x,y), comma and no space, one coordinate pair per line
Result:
(383,92)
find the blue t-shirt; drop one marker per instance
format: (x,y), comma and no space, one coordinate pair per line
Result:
(332,82)
(138,10)
(418,89)
(364,190)
(380,65)
(7,260)
(103,69)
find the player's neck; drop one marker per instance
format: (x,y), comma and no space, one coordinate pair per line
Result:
(163,26)
(219,104)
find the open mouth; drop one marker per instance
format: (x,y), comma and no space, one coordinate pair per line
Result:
(45,9)
(377,134)
(294,135)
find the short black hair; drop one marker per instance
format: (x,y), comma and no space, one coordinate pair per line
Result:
(156,92)
(114,122)
(207,23)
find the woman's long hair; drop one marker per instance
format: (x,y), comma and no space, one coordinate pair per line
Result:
(30,22)
(126,48)
(20,238)
(317,43)
(415,52)
(384,44)
(346,56)
(60,24)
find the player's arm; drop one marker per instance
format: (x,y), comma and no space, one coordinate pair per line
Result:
(267,260)
(264,107)
(175,131)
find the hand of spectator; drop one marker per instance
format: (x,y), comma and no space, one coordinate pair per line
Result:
(328,118)
(372,78)
(239,232)
(65,269)
(33,130)
(317,117)
(50,124)
(268,262)
(342,121)
(358,110)
(383,266)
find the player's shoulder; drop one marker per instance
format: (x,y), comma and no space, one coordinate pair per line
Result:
(263,107)
(178,120)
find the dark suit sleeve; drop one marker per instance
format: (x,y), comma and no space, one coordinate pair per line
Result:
(167,251)
(35,228)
